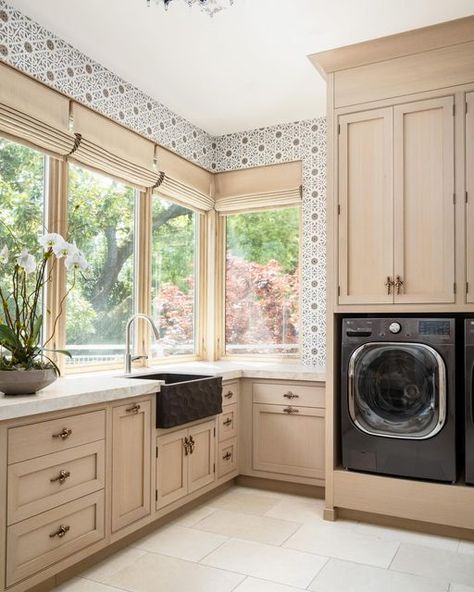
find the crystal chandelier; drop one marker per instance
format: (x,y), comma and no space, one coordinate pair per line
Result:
(209,6)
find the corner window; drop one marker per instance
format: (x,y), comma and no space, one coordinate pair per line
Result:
(262,283)
(102,222)
(174,279)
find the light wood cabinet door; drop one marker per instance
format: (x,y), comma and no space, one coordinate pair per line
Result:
(470,196)
(290,443)
(131,463)
(424,201)
(201,460)
(171,468)
(365,207)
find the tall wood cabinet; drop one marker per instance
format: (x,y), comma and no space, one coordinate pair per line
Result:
(396,224)
(131,462)
(470,197)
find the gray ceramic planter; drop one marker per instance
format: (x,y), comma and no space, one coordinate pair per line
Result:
(25,382)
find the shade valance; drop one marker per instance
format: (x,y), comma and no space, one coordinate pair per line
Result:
(258,188)
(108,147)
(34,113)
(184,182)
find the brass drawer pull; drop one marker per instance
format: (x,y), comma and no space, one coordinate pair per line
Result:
(290,410)
(290,395)
(62,530)
(63,434)
(62,476)
(227,422)
(389,283)
(229,395)
(227,456)
(133,409)
(192,443)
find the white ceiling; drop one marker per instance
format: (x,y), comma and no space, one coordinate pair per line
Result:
(242,69)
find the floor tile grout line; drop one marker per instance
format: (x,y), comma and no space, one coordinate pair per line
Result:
(216,549)
(104,584)
(319,573)
(240,583)
(393,558)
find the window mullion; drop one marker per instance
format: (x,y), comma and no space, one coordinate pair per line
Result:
(143,269)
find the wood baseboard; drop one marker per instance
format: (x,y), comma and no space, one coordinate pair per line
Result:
(281,486)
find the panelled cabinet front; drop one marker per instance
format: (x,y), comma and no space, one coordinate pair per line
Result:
(396,204)
(131,463)
(470,196)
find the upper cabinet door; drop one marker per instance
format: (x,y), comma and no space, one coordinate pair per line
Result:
(366,207)
(424,268)
(470,193)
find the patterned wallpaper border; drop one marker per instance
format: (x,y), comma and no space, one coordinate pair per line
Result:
(29,47)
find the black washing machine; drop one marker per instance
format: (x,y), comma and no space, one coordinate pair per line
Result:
(398,397)
(469,398)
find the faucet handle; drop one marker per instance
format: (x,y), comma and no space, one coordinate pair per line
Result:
(135,358)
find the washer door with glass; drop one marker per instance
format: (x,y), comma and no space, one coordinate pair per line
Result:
(397,390)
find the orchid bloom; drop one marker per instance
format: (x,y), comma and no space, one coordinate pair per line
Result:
(76,260)
(64,249)
(4,254)
(51,240)
(26,261)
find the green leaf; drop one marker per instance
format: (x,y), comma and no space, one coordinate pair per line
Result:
(36,329)
(64,352)
(8,339)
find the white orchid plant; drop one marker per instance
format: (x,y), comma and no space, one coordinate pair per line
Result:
(21,318)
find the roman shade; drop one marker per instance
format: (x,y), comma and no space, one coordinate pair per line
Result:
(108,147)
(184,182)
(259,188)
(34,113)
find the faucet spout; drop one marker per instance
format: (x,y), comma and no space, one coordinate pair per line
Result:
(129,357)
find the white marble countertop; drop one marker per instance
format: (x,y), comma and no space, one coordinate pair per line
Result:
(86,389)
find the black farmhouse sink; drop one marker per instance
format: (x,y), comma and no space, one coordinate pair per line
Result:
(185,397)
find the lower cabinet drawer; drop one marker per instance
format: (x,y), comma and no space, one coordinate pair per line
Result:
(230,393)
(293,394)
(41,541)
(228,423)
(41,484)
(227,457)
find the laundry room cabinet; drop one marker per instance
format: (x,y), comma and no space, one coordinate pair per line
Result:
(396,209)
(470,197)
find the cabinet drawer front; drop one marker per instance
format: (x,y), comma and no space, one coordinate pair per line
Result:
(290,443)
(39,542)
(281,394)
(41,484)
(230,393)
(45,437)
(229,423)
(227,459)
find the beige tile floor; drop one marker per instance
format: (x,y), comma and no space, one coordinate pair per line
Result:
(248,540)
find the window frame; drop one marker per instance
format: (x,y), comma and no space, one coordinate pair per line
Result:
(220,309)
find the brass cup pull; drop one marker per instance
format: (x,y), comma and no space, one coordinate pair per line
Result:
(389,283)
(62,530)
(227,422)
(290,410)
(227,456)
(229,395)
(63,434)
(192,443)
(133,409)
(186,446)
(62,476)
(399,284)
(290,395)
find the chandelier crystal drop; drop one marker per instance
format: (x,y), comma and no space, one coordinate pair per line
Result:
(209,6)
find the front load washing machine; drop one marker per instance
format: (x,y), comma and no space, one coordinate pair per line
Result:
(398,397)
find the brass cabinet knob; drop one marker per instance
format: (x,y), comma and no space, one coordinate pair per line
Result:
(291,395)
(62,530)
(227,456)
(63,434)
(61,477)
(133,409)
(227,422)
(290,410)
